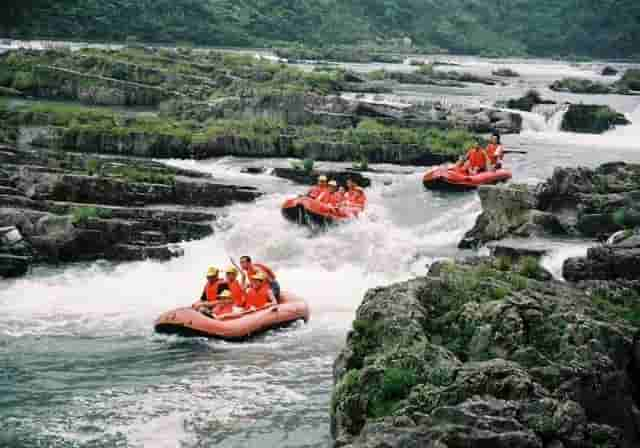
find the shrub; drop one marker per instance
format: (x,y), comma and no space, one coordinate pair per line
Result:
(23,81)
(307,165)
(82,214)
(395,385)
(530,267)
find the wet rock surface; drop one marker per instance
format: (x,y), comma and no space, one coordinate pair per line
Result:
(474,355)
(607,262)
(311,178)
(591,119)
(574,201)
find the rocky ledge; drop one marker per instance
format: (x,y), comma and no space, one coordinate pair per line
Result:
(574,201)
(475,356)
(618,260)
(63,207)
(304,177)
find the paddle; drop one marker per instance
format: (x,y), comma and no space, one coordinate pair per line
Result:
(512,151)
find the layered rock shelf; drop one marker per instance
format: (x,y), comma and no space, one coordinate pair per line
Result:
(62,207)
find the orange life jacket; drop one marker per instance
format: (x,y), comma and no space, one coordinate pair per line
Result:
(316,191)
(334,198)
(258,297)
(237,293)
(211,290)
(324,196)
(477,158)
(356,196)
(492,153)
(255,267)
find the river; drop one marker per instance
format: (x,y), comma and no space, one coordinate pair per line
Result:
(80,365)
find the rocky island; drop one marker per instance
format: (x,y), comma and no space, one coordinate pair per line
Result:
(490,351)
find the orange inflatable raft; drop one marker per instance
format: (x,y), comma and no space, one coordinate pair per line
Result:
(305,210)
(234,327)
(446,178)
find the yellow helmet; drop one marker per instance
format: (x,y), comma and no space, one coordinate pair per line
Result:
(259,276)
(231,270)
(322,178)
(212,272)
(333,183)
(226,294)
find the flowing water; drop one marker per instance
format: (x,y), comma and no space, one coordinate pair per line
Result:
(81,367)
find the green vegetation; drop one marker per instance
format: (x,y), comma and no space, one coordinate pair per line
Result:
(370,133)
(593,119)
(623,303)
(133,174)
(395,385)
(83,214)
(488,27)
(530,267)
(305,166)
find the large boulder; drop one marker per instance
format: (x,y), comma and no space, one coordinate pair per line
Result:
(607,262)
(475,357)
(591,119)
(311,177)
(509,211)
(574,201)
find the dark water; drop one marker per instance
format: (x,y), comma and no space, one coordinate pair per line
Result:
(81,367)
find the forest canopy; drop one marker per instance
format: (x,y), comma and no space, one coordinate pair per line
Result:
(597,28)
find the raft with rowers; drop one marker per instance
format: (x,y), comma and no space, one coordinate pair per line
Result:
(246,302)
(480,166)
(326,203)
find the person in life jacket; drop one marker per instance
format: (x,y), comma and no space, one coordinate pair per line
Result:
(334,197)
(211,289)
(250,269)
(354,195)
(320,188)
(259,293)
(222,305)
(235,287)
(495,152)
(477,160)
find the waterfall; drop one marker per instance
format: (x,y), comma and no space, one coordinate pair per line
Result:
(554,124)
(544,118)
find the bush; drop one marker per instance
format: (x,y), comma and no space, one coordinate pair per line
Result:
(307,165)
(23,81)
(530,267)
(83,214)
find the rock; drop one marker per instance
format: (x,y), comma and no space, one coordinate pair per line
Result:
(253,170)
(507,210)
(609,71)
(624,86)
(574,201)
(506,73)
(591,119)
(630,80)
(608,262)
(13,265)
(528,101)
(476,357)
(15,253)
(302,177)
(130,252)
